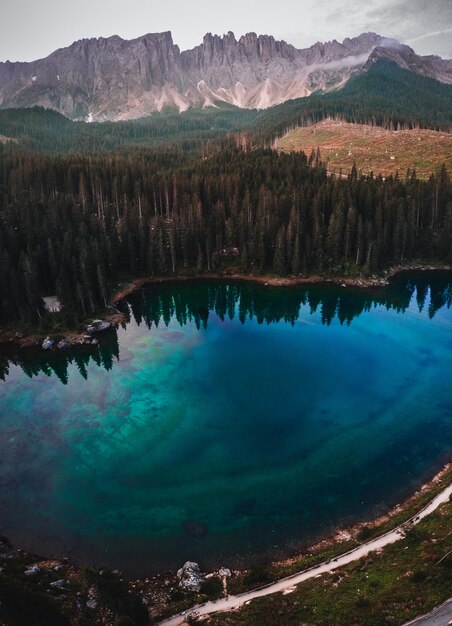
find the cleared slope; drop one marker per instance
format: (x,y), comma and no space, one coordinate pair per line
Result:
(385,95)
(372,148)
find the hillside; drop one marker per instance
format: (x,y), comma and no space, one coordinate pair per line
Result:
(50,132)
(384,96)
(371,148)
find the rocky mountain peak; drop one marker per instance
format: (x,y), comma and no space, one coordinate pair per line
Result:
(113,78)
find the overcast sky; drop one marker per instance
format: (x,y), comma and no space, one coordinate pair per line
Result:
(31,29)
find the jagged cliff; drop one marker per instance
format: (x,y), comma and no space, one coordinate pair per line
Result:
(115,79)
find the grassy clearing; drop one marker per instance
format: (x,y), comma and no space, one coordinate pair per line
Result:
(389,588)
(372,148)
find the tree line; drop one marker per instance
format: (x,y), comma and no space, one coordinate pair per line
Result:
(74,225)
(385,96)
(194,304)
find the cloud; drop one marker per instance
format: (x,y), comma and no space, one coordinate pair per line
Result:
(436,33)
(418,22)
(29,30)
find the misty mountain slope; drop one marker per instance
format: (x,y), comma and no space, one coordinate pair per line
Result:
(114,79)
(385,95)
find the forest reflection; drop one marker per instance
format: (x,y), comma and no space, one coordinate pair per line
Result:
(194,302)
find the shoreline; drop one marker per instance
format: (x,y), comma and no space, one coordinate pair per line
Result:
(155,591)
(290,583)
(351,532)
(342,541)
(356,282)
(286,582)
(11,338)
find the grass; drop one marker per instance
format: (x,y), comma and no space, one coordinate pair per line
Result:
(372,148)
(389,588)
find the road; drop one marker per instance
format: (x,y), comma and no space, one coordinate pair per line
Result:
(286,584)
(441,616)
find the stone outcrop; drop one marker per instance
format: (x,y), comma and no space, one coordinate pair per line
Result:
(97,326)
(48,344)
(190,577)
(115,79)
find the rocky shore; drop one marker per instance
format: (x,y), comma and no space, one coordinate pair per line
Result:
(62,340)
(357,282)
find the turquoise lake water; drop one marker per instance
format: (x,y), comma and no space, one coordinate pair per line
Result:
(227,422)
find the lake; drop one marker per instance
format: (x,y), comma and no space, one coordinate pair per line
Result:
(227,422)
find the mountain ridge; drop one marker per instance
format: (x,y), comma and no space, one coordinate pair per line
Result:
(112,79)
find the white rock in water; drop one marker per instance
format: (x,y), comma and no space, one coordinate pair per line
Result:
(34,569)
(190,577)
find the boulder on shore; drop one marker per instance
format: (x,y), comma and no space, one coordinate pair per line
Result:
(190,577)
(97,326)
(48,344)
(224,572)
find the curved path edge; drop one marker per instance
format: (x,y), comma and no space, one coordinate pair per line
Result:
(437,617)
(289,582)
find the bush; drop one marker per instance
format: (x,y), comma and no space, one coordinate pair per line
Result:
(22,605)
(177,594)
(125,620)
(258,575)
(114,594)
(365,533)
(213,588)
(419,576)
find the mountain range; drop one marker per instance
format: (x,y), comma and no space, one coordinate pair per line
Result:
(115,79)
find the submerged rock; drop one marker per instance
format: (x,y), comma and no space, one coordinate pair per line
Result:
(48,344)
(62,344)
(244,507)
(190,577)
(31,571)
(195,528)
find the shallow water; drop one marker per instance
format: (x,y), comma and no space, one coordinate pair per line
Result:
(247,422)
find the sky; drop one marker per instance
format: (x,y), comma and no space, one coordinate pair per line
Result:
(32,29)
